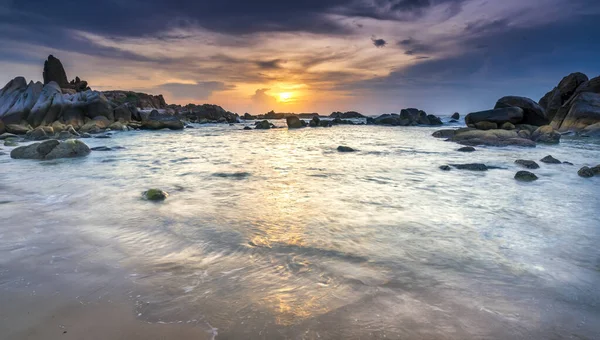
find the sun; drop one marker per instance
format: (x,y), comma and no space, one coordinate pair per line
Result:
(285,97)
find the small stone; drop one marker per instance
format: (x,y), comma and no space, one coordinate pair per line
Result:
(567,163)
(342,148)
(155,195)
(445,168)
(525,176)
(247,128)
(471,166)
(508,126)
(586,172)
(550,160)
(466,149)
(101,148)
(527,164)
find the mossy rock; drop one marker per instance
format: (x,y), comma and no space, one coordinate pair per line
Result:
(155,195)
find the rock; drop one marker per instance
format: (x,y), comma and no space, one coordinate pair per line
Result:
(586,172)
(449,133)
(595,169)
(456,116)
(124,112)
(103,136)
(445,168)
(136,99)
(533,113)
(486,126)
(247,128)
(471,166)
(433,120)
(590,130)
(550,160)
(342,148)
(25,100)
(118,126)
(48,107)
(390,119)
(40,133)
(499,116)
(155,195)
(64,135)
(2,128)
(294,122)
(58,127)
(18,129)
(584,111)
(101,148)
(567,163)
(525,134)
(467,149)
(263,125)
(346,115)
(507,126)
(554,99)
(51,149)
(527,164)
(96,125)
(525,176)
(490,138)
(156,121)
(7,135)
(55,72)
(10,142)
(315,122)
(546,134)
(9,95)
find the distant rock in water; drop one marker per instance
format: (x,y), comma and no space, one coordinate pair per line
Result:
(233,175)
(525,176)
(472,167)
(588,172)
(456,116)
(263,125)
(550,160)
(342,148)
(466,149)
(156,121)
(527,164)
(472,137)
(51,149)
(445,168)
(346,115)
(294,122)
(407,117)
(155,195)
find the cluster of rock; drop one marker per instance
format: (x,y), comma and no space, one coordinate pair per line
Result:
(51,149)
(206,113)
(60,105)
(407,117)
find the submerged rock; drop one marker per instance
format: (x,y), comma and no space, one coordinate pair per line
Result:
(445,168)
(550,160)
(155,195)
(455,116)
(527,163)
(247,128)
(51,149)
(263,125)
(472,166)
(525,176)
(587,172)
(342,148)
(466,149)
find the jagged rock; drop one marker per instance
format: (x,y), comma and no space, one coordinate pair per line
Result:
(48,106)
(525,176)
(550,160)
(51,149)
(546,134)
(140,100)
(157,121)
(455,116)
(554,99)
(55,72)
(486,125)
(512,115)
(533,113)
(294,122)
(584,111)
(527,164)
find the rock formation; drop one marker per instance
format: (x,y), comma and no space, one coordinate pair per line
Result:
(55,72)
(407,117)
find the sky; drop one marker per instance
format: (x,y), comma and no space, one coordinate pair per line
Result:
(371,56)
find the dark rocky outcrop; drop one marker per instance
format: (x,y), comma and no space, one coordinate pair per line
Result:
(156,121)
(455,116)
(155,195)
(294,122)
(55,72)
(445,168)
(466,149)
(533,113)
(140,100)
(500,116)
(346,115)
(525,176)
(553,100)
(51,149)
(407,117)
(546,134)
(207,113)
(527,164)
(472,167)
(263,125)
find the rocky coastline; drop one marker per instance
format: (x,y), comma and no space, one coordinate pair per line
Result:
(58,111)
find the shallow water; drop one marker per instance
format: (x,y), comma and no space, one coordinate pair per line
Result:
(274,234)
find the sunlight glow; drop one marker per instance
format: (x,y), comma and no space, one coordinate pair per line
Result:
(285,97)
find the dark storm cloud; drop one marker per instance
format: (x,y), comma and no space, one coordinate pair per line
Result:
(414,47)
(274,64)
(378,42)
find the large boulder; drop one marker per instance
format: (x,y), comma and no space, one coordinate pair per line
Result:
(553,100)
(55,72)
(48,106)
(491,138)
(125,112)
(51,149)
(9,95)
(500,116)
(584,111)
(533,113)
(2,127)
(389,119)
(546,134)
(24,103)
(156,121)
(294,122)
(18,129)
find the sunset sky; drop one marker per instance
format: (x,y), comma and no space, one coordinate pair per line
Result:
(373,56)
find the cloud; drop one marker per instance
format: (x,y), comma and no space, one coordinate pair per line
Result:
(413,47)
(378,42)
(270,64)
(194,92)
